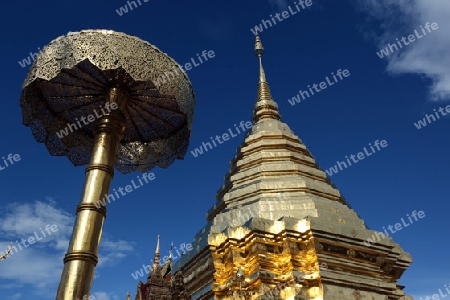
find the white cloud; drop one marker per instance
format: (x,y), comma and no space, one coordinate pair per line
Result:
(40,264)
(111,251)
(429,55)
(32,267)
(29,220)
(120,245)
(105,296)
(25,220)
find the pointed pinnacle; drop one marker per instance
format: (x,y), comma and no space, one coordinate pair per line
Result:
(259,51)
(266,107)
(157,246)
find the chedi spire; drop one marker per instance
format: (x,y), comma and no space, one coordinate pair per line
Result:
(266,107)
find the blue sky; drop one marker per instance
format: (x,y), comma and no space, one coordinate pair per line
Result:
(381,99)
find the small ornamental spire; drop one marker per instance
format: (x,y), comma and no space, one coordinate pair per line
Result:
(259,51)
(156,260)
(170,253)
(156,267)
(265,107)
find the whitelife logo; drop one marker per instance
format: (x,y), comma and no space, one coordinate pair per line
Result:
(430,118)
(397,226)
(323,85)
(169,75)
(284,15)
(11,158)
(356,158)
(128,189)
(30,59)
(146,268)
(33,239)
(437,296)
(225,137)
(91,118)
(124,9)
(411,38)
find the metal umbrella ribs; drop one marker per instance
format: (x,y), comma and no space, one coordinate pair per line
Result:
(73,78)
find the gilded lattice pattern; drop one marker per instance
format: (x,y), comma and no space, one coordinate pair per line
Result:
(69,78)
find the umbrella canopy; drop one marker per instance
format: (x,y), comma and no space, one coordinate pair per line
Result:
(65,92)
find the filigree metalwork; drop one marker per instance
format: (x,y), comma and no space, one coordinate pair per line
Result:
(68,81)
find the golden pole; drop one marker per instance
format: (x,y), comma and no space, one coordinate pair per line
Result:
(81,257)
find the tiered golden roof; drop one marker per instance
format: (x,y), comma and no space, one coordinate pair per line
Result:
(280,220)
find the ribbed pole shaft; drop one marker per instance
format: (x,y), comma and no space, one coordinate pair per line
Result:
(81,257)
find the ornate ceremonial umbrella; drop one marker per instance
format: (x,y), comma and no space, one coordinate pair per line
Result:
(91,96)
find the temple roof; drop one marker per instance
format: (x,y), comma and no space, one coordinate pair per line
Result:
(166,270)
(271,160)
(156,284)
(272,175)
(156,267)
(278,215)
